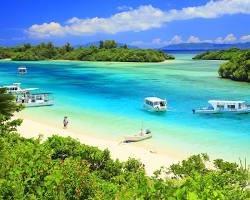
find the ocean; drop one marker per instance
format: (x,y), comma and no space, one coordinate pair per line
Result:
(106,100)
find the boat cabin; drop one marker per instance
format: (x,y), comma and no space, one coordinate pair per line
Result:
(155,104)
(22,70)
(228,105)
(30,97)
(34,99)
(14,88)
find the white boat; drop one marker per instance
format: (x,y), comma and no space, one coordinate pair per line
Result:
(22,70)
(155,104)
(15,88)
(35,99)
(142,135)
(29,97)
(219,106)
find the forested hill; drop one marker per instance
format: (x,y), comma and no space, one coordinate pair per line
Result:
(106,51)
(238,66)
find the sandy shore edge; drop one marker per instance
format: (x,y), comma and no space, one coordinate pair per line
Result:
(152,159)
(87,61)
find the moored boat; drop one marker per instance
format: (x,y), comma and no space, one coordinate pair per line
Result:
(29,97)
(35,99)
(15,88)
(221,106)
(142,135)
(155,104)
(22,70)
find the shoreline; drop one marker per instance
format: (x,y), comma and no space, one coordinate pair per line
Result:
(151,158)
(87,61)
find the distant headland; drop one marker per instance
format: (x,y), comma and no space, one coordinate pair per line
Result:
(238,66)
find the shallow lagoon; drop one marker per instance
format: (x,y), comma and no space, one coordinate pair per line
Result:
(105,99)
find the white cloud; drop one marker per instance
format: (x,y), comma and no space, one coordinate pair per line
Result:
(228,39)
(193,39)
(73,20)
(212,9)
(176,40)
(245,38)
(157,41)
(219,40)
(143,18)
(140,19)
(46,30)
(123,8)
(154,42)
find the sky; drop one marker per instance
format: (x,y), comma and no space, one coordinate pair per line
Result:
(143,23)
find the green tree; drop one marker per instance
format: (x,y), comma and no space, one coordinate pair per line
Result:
(125,46)
(101,44)
(8,107)
(67,47)
(107,51)
(237,68)
(109,44)
(27,46)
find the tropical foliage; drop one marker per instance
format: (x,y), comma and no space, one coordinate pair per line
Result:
(106,51)
(63,168)
(220,55)
(238,66)
(7,108)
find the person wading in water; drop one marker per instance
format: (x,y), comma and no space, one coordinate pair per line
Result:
(65,122)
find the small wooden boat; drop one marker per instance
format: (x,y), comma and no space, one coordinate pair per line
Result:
(142,135)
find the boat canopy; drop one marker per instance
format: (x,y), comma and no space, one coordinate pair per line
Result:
(221,102)
(31,89)
(22,70)
(40,93)
(14,87)
(154,99)
(229,105)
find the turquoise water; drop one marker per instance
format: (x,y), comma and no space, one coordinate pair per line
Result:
(106,100)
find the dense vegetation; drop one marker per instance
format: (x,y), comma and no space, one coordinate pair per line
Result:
(106,51)
(238,66)
(62,168)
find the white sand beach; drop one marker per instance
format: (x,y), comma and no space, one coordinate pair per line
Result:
(151,158)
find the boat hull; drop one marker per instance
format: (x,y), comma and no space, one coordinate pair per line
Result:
(38,104)
(221,111)
(137,138)
(153,109)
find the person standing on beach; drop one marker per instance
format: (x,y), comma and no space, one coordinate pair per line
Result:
(65,122)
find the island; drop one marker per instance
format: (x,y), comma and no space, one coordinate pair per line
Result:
(107,50)
(238,66)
